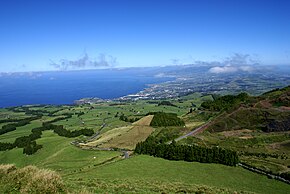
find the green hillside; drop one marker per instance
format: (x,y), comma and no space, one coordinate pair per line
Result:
(257,127)
(145,174)
(245,112)
(86,144)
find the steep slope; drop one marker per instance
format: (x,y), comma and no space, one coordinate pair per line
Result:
(269,112)
(124,137)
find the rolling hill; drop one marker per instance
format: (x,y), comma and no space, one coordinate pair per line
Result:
(254,127)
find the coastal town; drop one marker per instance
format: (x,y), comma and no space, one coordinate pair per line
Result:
(204,83)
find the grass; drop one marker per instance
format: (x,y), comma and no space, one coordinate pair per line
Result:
(141,186)
(138,132)
(125,137)
(4,114)
(105,171)
(146,173)
(265,164)
(20,131)
(251,141)
(57,154)
(29,179)
(95,116)
(109,135)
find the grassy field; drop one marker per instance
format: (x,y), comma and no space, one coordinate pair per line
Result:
(124,137)
(4,114)
(20,131)
(105,113)
(145,174)
(138,132)
(58,154)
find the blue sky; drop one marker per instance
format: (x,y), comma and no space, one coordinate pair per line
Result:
(61,34)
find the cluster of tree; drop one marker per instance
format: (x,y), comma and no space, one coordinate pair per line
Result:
(162,119)
(20,122)
(61,131)
(28,111)
(26,142)
(225,102)
(187,152)
(152,102)
(80,114)
(166,103)
(126,119)
(66,116)
(10,120)
(6,146)
(31,148)
(263,155)
(29,144)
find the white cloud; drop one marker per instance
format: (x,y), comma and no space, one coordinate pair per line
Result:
(85,62)
(224,69)
(236,63)
(247,68)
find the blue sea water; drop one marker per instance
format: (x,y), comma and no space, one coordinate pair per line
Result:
(64,87)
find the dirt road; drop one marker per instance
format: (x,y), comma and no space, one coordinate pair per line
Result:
(194,132)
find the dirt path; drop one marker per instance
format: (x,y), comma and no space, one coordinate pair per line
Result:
(194,132)
(203,127)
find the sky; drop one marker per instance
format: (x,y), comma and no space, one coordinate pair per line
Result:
(82,34)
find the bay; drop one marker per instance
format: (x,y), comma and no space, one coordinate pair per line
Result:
(59,88)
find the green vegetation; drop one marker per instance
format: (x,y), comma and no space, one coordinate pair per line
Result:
(17,123)
(225,102)
(162,119)
(58,129)
(147,174)
(279,97)
(59,155)
(124,137)
(28,142)
(73,139)
(167,134)
(187,153)
(29,179)
(165,103)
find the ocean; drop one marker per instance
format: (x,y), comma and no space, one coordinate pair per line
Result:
(59,88)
